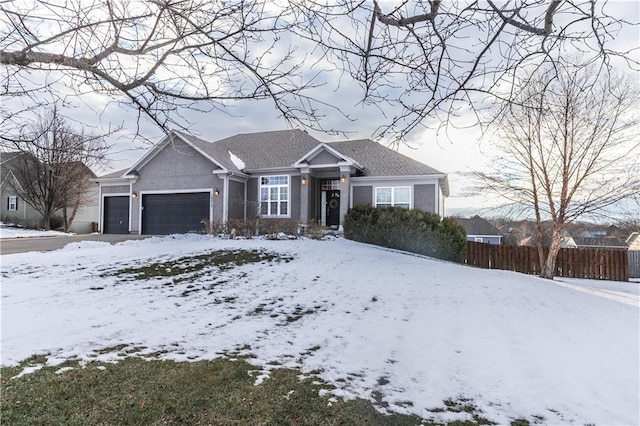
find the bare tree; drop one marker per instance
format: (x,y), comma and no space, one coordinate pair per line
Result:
(431,62)
(568,148)
(53,170)
(415,61)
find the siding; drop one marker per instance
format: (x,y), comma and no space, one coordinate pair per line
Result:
(424,198)
(176,168)
(362,195)
(236,200)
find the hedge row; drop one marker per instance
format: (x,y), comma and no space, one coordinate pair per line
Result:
(410,230)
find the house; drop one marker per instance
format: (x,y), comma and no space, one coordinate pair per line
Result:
(600,242)
(480,231)
(15,209)
(289,175)
(633,241)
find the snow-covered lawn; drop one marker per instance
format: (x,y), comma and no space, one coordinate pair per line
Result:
(370,321)
(10,231)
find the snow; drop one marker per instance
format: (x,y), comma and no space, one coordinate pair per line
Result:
(9,231)
(367,319)
(237,161)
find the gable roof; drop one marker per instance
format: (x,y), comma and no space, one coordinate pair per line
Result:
(324,147)
(284,149)
(379,160)
(477,226)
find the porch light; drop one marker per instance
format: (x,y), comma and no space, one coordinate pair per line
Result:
(343,178)
(134,195)
(304,180)
(216,192)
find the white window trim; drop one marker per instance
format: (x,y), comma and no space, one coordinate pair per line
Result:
(13,203)
(288,186)
(393,195)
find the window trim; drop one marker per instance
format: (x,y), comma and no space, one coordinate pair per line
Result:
(12,203)
(393,196)
(288,200)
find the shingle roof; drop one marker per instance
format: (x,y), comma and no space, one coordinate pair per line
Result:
(263,150)
(283,148)
(477,226)
(114,175)
(7,156)
(378,160)
(599,242)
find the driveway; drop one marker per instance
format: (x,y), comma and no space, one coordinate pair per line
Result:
(23,245)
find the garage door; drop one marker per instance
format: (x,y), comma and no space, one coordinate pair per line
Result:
(116,215)
(164,214)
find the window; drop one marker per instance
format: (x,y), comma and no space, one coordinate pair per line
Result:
(478,239)
(274,195)
(12,203)
(395,196)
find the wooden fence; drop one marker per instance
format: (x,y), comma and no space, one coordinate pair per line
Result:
(634,263)
(600,264)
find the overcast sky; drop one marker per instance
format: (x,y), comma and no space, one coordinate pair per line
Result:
(459,153)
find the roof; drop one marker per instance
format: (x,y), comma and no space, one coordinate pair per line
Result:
(477,226)
(8,156)
(262,150)
(283,148)
(611,242)
(379,160)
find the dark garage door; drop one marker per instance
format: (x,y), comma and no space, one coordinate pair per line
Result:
(116,215)
(164,214)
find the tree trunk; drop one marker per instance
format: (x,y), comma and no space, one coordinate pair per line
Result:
(549,268)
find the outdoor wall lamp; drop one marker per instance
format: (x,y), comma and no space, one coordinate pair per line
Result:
(304,180)
(343,178)
(216,192)
(134,195)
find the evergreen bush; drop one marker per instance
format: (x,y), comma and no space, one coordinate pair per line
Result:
(410,230)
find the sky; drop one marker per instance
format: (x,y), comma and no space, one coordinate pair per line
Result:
(379,324)
(457,152)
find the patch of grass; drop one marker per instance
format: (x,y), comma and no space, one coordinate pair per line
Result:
(190,268)
(138,392)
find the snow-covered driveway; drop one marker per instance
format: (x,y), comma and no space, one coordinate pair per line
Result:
(376,323)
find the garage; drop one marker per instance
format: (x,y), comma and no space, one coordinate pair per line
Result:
(180,213)
(116,215)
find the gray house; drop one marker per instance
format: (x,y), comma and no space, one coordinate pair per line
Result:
(479,230)
(288,175)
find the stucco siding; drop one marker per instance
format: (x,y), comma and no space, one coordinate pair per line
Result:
(114,189)
(362,195)
(177,166)
(236,200)
(294,198)
(323,157)
(252,198)
(425,198)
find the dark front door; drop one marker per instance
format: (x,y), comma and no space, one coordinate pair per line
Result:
(164,214)
(116,215)
(333,207)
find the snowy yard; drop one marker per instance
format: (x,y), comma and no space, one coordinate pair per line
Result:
(371,321)
(8,230)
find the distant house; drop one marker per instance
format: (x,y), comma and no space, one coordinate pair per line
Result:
(183,182)
(600,242)
(15,209)
(633,241)
(479,230)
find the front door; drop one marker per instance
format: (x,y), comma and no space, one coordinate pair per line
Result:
(333,207)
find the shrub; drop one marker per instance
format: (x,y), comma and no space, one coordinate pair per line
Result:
(410,230)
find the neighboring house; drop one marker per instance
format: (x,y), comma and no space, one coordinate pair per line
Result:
(633,241)
(289,175)
(600,242)
(479,230)
(15,209)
